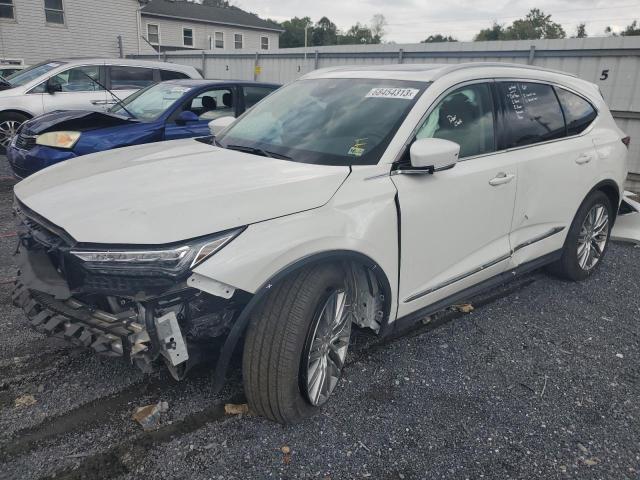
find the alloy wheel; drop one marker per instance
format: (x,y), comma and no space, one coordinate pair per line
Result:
(8,130)
(328,348)
(593,237)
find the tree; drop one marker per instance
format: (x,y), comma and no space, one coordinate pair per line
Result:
(438,38)
(495,32)
(293,35)
(608,31)
(358,34)
(324,32)
(581,31)
(378,24)
(631,30)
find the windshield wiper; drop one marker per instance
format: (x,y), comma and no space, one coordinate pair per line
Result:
(118,99)
(254,150)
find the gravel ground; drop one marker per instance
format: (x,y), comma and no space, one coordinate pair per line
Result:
(541,381)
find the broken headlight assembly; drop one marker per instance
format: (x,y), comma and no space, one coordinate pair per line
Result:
(65,140)
(171,260)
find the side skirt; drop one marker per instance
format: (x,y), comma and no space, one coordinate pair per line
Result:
(408,321)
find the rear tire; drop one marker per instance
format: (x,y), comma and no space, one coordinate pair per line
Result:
(289,336)
(9,124)
(587,240)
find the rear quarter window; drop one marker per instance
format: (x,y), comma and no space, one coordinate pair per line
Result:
(532,113)
(578,112)
(172,75)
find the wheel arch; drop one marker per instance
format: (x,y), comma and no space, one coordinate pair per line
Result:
(612,191)
(333,256)
(19,112)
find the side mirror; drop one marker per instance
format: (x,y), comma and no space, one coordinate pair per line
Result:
(187,117)
(219,124)
(53,87)
(433,154)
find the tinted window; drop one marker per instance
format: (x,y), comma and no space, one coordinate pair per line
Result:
(6,9)
(130,78)
(465,117)
(213,104)
(578,112)
(79,79)
(170,75)
(253,95)
(532,113)
(53,11)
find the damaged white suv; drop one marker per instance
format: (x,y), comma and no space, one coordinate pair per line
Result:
(370,196)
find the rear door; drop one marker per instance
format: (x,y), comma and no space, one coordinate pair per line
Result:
(555,166)
(221,101)
(252,94)
(78,90)
(124,80)
(455,224)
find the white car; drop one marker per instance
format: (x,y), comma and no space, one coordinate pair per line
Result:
(353,196)
(76,84)
(6,70)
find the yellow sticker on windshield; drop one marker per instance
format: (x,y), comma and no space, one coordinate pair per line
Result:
(358,147)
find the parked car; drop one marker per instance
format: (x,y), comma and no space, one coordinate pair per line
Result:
(6,70)
(163,111)
(76,84)
(367,196)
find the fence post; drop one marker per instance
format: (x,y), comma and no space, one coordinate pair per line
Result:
(316,60)
(401,56)
(120,46)
(204,64)
(532,54)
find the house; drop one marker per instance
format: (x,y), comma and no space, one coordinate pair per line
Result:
(180,25)
(35,30)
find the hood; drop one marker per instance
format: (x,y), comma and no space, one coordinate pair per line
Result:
(171,191)
(75,120)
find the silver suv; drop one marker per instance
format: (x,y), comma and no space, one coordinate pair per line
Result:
(76,85)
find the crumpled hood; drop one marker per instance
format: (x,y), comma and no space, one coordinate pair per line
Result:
(170,191)
(75,120)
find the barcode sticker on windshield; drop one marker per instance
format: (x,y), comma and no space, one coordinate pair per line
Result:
(389,92)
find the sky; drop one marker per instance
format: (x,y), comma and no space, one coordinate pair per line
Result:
(410,21)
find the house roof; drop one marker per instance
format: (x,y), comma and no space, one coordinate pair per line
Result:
(228,15)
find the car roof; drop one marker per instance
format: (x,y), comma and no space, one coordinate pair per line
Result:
(125,61)
(198,83)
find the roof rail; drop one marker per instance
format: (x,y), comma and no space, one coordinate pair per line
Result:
(462,66)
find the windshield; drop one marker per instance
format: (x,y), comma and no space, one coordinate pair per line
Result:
(150,103)
(25,76)
(326,121)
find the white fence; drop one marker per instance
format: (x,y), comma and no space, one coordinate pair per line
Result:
(613,63)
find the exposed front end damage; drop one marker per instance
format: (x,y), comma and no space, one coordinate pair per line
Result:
(148,319)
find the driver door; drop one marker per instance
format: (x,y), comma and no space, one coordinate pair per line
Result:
(78,90)
(455,223)
(208,105)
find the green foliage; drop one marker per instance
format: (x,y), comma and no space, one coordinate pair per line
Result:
(631,30)
(495,32)
(438,38)
(581,31)
(535,25)
(325,32)
(293,35)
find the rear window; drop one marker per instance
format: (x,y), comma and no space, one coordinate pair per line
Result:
(578,112)
(532,113)
(130,78)
(171,75)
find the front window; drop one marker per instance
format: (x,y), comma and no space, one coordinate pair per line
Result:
(150,103)
(54,11)
(219,39)
(153,34)
(237,40)
(6,9)
(327,121)
(187,37)
(212,104)
(32,73)
(78,79)
(264,43)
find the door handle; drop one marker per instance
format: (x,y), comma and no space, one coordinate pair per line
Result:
(584,158)
(98,102)
(501,179)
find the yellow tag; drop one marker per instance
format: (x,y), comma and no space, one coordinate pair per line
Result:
(258,70)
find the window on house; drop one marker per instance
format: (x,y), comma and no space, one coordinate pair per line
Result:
(187,37)
(264,43)
(219,40)
(54,11)
(237,40)
(6,9)
(153,34)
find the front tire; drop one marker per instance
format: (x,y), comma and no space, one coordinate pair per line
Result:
(587,240)
(296,344)
(9,124)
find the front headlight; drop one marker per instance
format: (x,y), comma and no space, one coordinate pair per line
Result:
(144,261)
(58,139)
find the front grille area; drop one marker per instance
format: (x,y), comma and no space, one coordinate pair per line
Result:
(25,142)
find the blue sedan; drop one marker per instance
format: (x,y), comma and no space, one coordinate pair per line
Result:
(164,111)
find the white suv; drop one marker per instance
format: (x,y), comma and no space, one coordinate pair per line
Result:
(367,196)
(76,84)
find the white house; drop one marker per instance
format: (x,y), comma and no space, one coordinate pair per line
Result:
(180,25)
